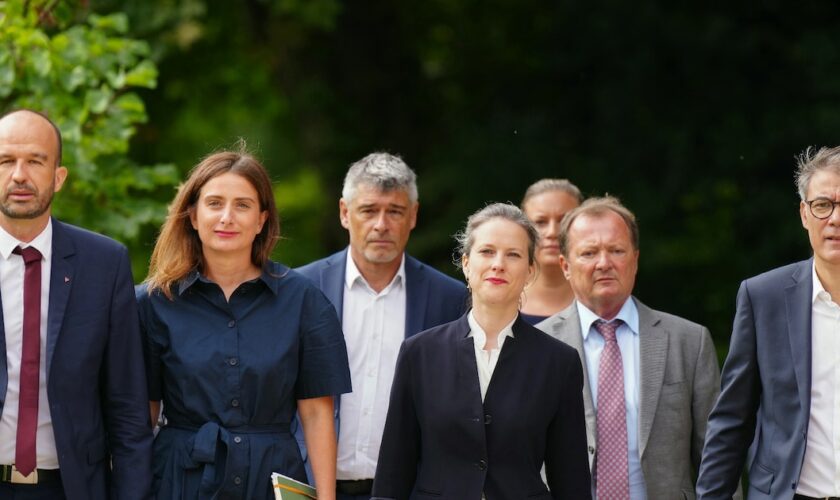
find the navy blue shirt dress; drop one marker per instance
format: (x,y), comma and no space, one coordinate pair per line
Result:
(230,373)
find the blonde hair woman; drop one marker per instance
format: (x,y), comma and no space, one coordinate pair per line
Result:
(545,203)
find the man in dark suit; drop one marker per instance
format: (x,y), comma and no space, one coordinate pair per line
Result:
(659,371)
(779,405)
(382,296)
(75,420)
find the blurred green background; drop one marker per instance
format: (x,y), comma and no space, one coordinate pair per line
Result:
(691,113)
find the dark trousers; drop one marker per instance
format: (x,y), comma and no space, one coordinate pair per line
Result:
(46,491)
(341,496)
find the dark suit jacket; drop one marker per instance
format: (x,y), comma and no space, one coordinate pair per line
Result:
(96,382)
(765,396)
(441,441)
(432,298)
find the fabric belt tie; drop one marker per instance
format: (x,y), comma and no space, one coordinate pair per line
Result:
(212,448)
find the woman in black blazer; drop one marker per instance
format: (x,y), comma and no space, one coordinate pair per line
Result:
(479,404)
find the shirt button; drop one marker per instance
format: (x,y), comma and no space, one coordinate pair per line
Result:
(231,323)
(233,361)
(237,439)
(591,450)
(237,480)
(234,403)
(482,465)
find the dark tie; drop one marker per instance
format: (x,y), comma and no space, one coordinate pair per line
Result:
(611,481)
(30,362)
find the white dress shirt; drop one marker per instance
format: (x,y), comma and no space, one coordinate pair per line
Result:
(486,359)
(11,291)
(374,328)
(820,474)
(627,337)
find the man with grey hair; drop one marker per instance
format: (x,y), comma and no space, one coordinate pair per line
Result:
(382,296)
(779,406)
(650,378)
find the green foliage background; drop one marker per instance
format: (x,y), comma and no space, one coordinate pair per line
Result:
(691,113)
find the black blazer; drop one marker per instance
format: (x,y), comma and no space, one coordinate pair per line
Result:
(440,441)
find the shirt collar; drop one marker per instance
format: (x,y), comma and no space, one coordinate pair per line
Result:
(818,290)
(352,274)
(271,275)
(481,336)
(628,313)
(42,242)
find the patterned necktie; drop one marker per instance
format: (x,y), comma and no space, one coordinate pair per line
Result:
(611,474)
(30,362)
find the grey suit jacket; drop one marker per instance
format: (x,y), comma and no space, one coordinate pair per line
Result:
(679,381)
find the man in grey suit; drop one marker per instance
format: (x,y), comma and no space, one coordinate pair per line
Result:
(779,406)
(650,378)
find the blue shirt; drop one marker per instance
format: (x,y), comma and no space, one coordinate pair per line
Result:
(230,373)
(627,337)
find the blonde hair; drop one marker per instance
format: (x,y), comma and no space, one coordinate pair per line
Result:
(178,249)
(547,185)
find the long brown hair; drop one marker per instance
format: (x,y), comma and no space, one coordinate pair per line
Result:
(178,248)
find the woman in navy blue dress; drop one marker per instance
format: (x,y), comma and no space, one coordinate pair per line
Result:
(236,344)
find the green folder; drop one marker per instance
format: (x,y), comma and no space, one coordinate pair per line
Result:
(286,488)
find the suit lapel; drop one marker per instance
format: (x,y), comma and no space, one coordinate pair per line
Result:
(653,349)
(565,326)
(4,371)
(507,360)
(416,294)
(332,281)
(61,282)
(798,303)
(466,365)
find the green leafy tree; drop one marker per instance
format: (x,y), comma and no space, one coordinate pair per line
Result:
(83,71)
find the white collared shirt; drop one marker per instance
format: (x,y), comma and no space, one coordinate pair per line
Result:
(11,291)
(820,474)
(486,360)
(374,328)
(627,337)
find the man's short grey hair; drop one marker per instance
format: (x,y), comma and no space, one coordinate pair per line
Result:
(383,171)
(811,162)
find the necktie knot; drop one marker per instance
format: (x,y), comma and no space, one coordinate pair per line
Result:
(29,254)
(607,328)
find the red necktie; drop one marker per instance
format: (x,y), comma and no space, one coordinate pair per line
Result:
(611,474)
(30,362)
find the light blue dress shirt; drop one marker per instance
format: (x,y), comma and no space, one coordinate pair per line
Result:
(627,337)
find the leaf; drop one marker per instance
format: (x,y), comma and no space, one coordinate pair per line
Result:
(115,22)
(7,74)
(143,75)
(97,99)
(40,61)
